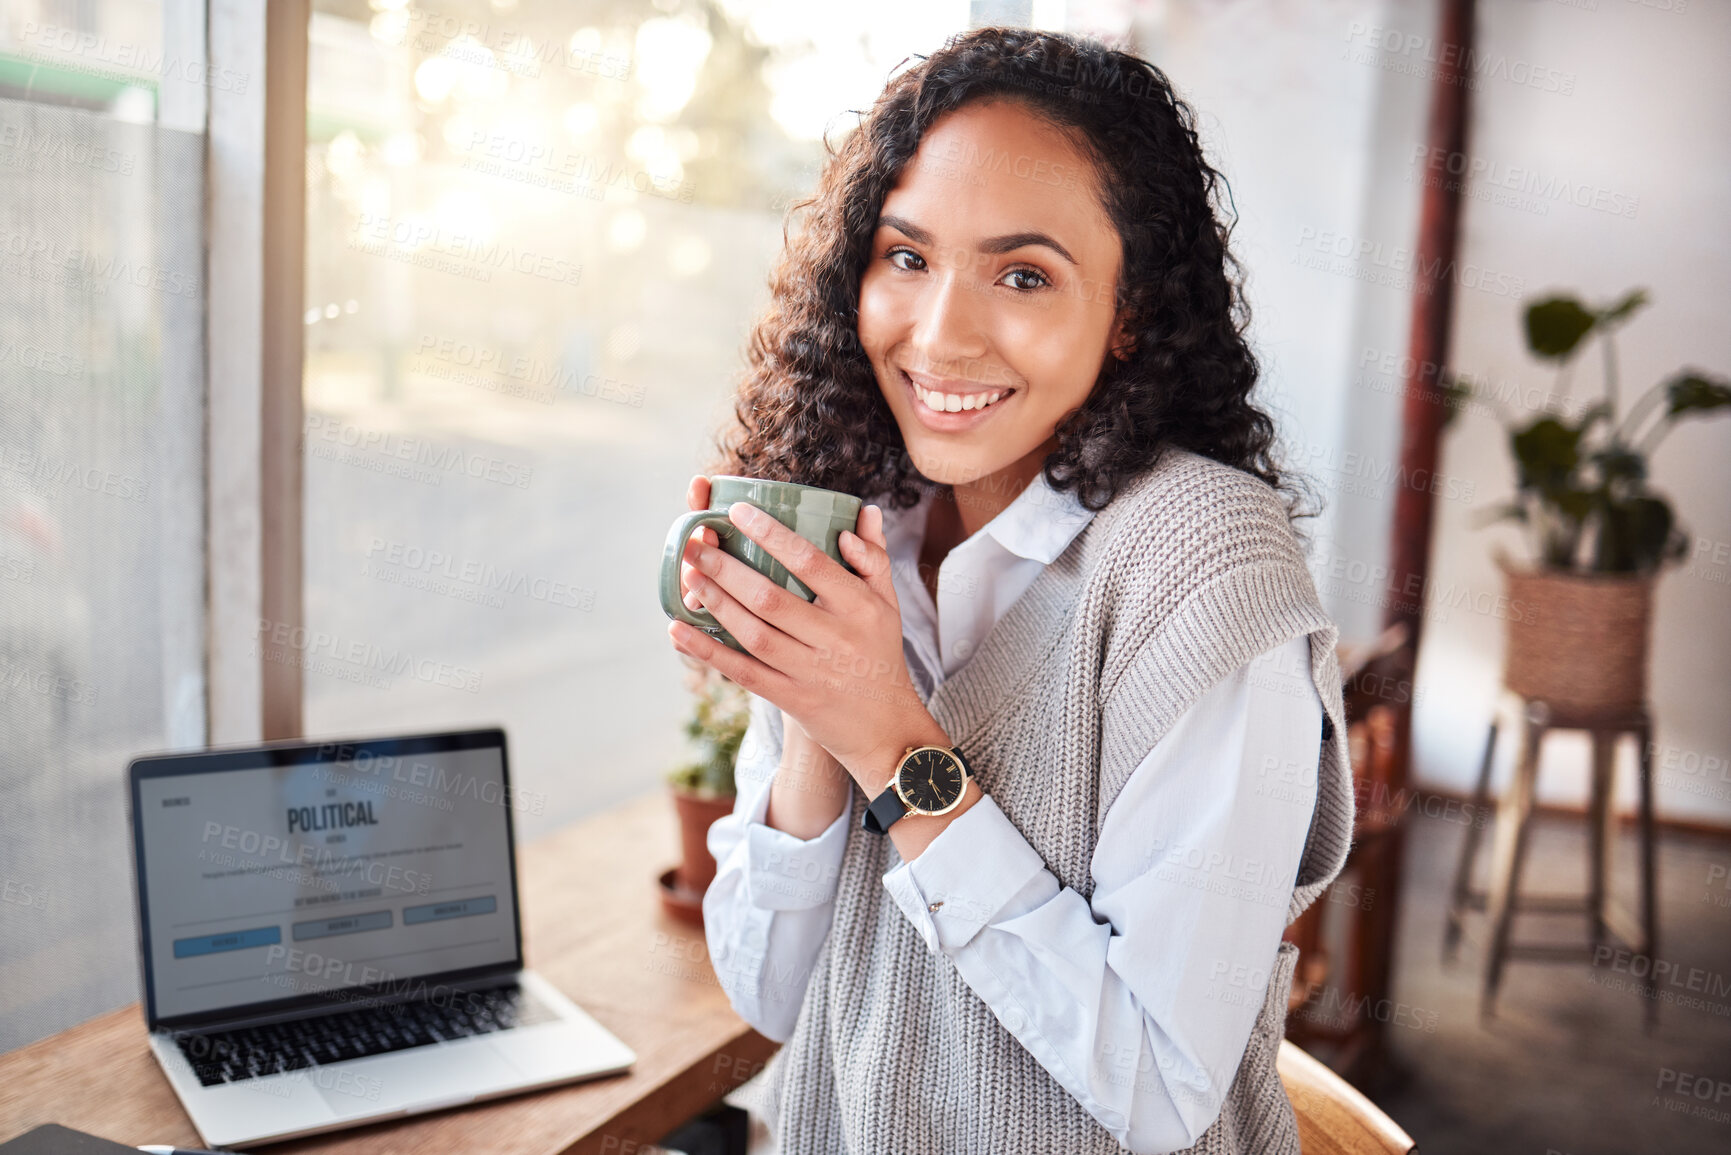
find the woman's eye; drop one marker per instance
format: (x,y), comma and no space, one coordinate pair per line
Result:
(906,259)
(1026,279)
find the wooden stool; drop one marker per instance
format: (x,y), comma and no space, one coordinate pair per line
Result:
(1607,920)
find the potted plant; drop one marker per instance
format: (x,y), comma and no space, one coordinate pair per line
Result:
(703,788)
(1598,533)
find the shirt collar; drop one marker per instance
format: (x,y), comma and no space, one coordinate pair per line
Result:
(1039,524)
(905,529)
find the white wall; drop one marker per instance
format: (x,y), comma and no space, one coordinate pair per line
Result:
(1647,130)
(1300,130)
(1316,113)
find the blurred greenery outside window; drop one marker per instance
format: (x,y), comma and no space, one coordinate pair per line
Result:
(536,236)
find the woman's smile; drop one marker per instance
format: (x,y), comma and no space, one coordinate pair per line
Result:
(947,405)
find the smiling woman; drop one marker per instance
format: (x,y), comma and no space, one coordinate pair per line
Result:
(1068,211)
(1073,676)
(976,324)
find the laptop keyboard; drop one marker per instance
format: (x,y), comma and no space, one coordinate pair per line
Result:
(253,1052)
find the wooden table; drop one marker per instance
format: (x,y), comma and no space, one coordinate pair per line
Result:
(593,927)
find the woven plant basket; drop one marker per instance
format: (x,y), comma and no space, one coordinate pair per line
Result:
(1578,640)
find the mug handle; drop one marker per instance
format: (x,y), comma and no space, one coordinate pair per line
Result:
(671,603)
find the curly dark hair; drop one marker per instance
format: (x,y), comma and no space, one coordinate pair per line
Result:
(809,408)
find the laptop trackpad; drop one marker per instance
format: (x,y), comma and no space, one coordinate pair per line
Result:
(448,1074)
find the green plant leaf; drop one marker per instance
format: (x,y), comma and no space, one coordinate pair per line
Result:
(687,777)
(1690,392)
(1633,534)
(1577,489)
(1556,325)
(1635,299)
(1547,453)
(721,713)
(1575,504)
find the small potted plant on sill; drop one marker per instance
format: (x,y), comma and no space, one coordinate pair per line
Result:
(703,789)
(1598,532)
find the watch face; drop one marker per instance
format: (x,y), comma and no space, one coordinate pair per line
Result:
(930,780)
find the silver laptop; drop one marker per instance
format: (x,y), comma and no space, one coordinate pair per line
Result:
(330,936)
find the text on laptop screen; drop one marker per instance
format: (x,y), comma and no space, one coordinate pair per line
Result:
(269,883)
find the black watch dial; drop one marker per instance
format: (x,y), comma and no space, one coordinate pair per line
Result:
(931,779)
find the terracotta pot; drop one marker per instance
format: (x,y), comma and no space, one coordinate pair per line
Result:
(1578,640)
(697,812)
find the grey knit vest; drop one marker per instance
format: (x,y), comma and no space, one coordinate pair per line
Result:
(1192,571)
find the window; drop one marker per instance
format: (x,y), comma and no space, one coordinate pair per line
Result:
(101,486)
(536,237)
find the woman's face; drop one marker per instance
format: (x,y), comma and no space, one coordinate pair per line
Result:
(992,275)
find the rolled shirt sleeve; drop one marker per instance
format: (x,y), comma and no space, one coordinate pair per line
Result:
(772,901)
(1140,1001)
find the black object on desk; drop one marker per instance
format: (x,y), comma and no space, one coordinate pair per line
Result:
(53,1139)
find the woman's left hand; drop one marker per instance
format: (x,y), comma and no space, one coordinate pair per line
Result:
(835,665)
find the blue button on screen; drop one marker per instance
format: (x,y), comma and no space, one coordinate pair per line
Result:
(233,940)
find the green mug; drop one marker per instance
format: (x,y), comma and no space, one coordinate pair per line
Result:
(818,515)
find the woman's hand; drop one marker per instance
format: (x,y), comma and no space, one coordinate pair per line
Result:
(696,498)
(834,665)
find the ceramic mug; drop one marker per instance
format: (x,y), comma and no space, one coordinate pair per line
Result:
(818,515)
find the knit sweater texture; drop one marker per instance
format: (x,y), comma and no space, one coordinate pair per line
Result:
(1192,571)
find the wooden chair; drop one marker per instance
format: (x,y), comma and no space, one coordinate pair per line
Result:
(1333,1117)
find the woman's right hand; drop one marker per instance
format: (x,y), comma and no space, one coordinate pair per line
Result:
(810,787)
(696,497)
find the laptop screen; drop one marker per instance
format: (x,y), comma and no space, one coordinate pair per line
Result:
(302,872)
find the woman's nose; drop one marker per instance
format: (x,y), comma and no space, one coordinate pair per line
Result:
(950,323)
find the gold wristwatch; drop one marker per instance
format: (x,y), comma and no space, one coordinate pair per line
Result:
(928,780)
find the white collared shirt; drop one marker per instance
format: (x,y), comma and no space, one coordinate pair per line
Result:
(1153,966)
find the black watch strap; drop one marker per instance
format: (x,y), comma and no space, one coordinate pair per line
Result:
(888,805)
(884,809)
